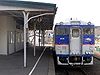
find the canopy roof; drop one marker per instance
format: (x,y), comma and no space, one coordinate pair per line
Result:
(15,8)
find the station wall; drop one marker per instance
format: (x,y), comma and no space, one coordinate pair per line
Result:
(10,37)
(19,40)
(3,35)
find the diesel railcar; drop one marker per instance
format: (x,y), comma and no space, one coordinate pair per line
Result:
(74,43)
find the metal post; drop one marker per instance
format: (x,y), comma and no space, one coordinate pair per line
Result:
(43,37)
(25,24)
(24,40)
(39,37)
(34,39)
(27,35)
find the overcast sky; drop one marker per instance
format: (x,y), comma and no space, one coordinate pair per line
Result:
(85,10)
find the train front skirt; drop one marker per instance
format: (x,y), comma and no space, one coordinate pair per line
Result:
(75,60)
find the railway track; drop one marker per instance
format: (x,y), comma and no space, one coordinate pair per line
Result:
(76,71)
(84,70)
(71,71)
(96,58)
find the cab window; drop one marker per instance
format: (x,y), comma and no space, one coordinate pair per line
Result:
(62,31)
(75,33)
(88,31)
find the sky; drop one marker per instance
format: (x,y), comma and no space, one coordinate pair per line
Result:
(84,10)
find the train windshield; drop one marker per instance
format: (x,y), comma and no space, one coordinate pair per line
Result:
(88,31)
(75,33)
(62,31)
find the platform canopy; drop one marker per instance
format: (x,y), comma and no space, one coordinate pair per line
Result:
(15,8)
(31,15)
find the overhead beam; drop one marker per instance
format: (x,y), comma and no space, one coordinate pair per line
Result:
(20,8)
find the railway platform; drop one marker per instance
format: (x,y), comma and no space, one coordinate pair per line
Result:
(13,64)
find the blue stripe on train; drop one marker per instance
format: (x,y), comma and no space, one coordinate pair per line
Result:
(62,39)
(63,55)
(88,39)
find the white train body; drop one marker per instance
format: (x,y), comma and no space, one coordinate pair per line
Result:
(74,43)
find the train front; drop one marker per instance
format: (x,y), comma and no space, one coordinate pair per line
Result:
(74,43)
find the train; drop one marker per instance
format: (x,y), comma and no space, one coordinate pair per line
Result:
(74,43)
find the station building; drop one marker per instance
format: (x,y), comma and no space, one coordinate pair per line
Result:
(18,18)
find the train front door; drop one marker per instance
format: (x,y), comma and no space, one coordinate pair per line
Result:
(75,41)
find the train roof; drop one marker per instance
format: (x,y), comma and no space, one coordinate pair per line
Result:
(77,23)
(84,26)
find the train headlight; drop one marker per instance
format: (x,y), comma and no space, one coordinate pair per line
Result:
(88,52)
(90,48)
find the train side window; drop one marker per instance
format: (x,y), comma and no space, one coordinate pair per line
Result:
(75,33)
